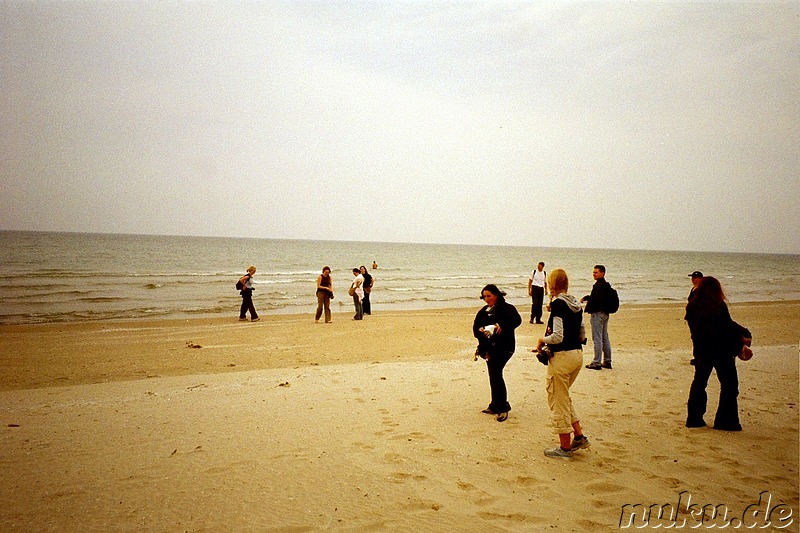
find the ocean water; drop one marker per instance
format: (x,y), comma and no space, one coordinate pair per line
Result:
(66,277)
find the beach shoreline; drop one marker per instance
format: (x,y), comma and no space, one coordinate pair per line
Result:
(369,425)
(46,355)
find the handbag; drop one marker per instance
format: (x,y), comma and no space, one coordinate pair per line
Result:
(352,291)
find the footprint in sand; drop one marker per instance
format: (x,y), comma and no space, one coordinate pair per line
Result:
(513,518)
(389,422)
(393,458)
(527,481)
(500,461)
(415,436)
(601,490)
(604,487)
(619,450)
(467,487)
(402,477)
(422,505)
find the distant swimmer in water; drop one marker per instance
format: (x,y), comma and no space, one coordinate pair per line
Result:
(374,265)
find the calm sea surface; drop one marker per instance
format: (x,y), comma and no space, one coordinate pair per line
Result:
(66,277)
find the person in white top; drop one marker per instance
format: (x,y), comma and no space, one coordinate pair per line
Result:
(537,289)
(247,296)
(358,293)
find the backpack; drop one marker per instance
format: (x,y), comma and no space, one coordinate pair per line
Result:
(240,285)
(611,305)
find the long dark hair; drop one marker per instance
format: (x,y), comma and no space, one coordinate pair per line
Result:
(494,290)
(365,273)
(709,296)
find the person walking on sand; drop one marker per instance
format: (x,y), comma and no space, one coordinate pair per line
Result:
(565,340)
(537,289)
(357,292)
(247,296)
(367,285)
(494,327)
(717,341)
(324,294)
(595,306)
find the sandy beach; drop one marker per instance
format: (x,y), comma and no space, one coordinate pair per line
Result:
(288,425)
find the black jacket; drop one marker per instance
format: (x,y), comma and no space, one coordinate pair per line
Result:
(596,301)
(714,333)
(507,317)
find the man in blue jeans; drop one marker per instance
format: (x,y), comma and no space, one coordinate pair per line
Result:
(599,319)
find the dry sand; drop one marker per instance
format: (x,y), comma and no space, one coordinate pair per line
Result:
(288,425)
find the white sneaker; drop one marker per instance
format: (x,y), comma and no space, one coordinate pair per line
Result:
(558,452)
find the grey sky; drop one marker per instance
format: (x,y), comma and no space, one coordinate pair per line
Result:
(656,125)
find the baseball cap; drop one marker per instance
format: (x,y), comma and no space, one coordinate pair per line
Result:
(696,274)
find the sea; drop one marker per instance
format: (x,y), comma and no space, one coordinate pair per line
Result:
(75,277)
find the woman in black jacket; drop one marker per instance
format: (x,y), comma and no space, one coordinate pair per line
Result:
(494,327)
(717,341)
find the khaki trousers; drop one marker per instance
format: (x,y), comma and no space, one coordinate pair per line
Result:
(562,370)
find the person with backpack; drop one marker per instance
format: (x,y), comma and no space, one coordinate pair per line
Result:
(599,304)
(537,289)
(246,290)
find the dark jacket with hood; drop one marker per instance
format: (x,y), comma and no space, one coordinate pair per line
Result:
(565,324)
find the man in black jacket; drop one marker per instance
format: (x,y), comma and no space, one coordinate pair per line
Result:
(599,319)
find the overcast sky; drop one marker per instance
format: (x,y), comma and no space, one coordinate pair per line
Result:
(654,125)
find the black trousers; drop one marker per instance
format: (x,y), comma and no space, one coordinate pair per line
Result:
(495,364)
(537,295)
(727,416)
(247,305)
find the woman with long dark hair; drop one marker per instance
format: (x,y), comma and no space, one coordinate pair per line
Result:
(367,285)
(717,341)
(494,327)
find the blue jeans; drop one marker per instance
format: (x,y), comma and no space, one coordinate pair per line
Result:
(602,345)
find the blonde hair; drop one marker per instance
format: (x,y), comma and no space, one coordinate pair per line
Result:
(558,281)
(251,269)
